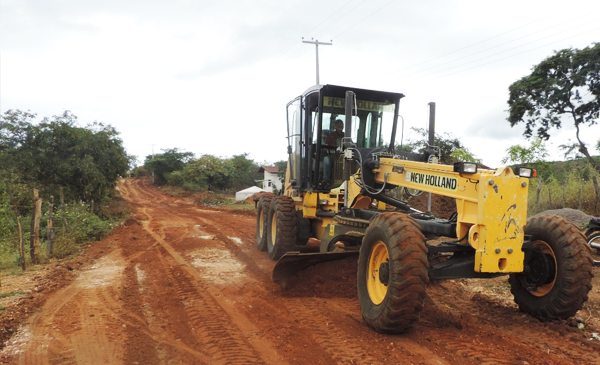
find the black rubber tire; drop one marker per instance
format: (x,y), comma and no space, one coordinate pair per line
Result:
(401,302)
(565,283)
(282,227)
(262,214)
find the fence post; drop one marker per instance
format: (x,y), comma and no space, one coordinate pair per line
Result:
(564,200)
(597,196)
(34,239)
(537,195)
(62,209)
(580,188)
(50,247)
(19,226)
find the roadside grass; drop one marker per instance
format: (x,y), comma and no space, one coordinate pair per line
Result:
(571,191)
(12,294)
(232,204)
(73,227)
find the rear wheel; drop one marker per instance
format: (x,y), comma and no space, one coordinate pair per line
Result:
(262,214)
(412,192)
(593,240)
(282,229)
(392,273)
(557,272)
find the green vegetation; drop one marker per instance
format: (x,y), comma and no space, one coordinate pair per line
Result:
(450,149)
(206,173)
(564,85)
(57,156)
(563,184)
(566,184)
(12,294)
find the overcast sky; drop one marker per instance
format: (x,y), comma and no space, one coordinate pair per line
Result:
(214,77)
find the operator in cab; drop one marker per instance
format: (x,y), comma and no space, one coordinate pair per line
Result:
(333,139)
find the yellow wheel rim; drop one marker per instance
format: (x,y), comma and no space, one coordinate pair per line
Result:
(379,255)
(542,290)
(273,229)
(261,226)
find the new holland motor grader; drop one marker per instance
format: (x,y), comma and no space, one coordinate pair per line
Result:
(341,194)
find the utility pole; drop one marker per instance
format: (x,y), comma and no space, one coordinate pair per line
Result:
(317,43)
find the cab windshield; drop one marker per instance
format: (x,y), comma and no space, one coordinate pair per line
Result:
(372,121)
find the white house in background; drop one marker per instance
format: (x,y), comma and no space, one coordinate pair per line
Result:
(271,179)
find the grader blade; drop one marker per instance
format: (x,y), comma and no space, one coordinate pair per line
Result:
(293,262)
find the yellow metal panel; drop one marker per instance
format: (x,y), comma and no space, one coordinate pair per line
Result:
(502,216)
(491,207)
(309,205)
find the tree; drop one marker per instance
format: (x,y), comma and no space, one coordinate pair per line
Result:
(209,172)
(463,154)
(57,153)
(532,156)
(281,168)
(163,163)
(536,152)
(565,84)
(244,172)
(16,129)
(451,149)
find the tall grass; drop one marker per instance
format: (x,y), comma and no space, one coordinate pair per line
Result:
(572,190)
(82,226)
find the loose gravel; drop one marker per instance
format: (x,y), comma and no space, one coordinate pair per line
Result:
(578,217)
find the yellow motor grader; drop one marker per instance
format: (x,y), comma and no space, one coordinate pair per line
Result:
(339,189)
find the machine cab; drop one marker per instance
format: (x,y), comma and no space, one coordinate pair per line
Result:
(317,127)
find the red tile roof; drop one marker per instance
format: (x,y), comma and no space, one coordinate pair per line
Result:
(271,169)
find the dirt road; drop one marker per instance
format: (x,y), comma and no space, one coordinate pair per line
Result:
(184,284)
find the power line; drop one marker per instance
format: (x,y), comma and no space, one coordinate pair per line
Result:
(472,45)
(343,15)
(485,41)
(495,54)
(297,46)
(363,19)
(517,54)
(326,19)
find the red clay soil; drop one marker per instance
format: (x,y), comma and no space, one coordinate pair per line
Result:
(183,284)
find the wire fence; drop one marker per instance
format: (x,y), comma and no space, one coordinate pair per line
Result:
(580,194)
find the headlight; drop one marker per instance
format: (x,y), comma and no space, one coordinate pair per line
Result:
(465,167)
(525,172)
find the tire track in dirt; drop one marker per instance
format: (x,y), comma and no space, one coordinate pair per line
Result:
(170,345)
(226,334)
(336,345)
(192,288)
(219,336)
(343,347)
(475,352)
(321,340)
(333,342)
(89,315)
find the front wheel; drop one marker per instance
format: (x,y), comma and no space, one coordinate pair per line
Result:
(392,273)
(262,213)
(557,271)
(282,227)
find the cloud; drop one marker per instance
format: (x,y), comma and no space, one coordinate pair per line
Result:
(215,76)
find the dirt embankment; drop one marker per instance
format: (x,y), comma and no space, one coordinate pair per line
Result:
(180,283)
